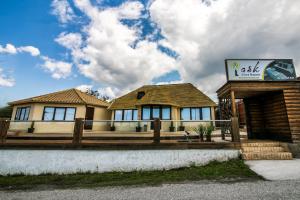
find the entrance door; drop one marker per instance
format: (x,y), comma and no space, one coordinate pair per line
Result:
(89,116)
(155,114)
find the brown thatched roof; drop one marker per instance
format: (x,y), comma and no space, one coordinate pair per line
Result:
(72,96)
(181,95)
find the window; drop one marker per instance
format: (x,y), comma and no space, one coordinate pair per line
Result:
(22,113)
(59,114)
(206,113)
(118,115)
(146,112)
(151,112)
(166,112)
(135,115)
(140,95)
(126,115)
(156,112)
(70,114)
(185,114)
(48,113)
(195,113)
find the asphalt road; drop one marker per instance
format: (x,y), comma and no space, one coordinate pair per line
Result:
(199,190)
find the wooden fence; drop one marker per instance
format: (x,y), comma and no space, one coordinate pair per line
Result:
(78,140)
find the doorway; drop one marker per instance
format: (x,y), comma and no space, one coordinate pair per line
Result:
(89,117)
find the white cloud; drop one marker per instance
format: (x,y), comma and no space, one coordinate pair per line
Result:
(84,88)
(110,92)
(202,33)
(204,36)
(63,10)
(69,40)
(58,69)
(11,49)
(30,49)
(6,81)
(107,55)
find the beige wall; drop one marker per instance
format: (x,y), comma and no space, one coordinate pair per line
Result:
(101,113)
(36,113)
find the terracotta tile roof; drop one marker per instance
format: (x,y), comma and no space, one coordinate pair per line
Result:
(72,96)
(181,95)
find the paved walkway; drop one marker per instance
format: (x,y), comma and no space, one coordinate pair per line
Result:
(267,190)
(276,169)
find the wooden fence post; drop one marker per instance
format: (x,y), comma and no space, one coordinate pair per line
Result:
(4,126)
(156,129)
(235,130)
(78,131)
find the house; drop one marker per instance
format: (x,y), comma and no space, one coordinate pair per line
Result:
(58,109)
(170,102)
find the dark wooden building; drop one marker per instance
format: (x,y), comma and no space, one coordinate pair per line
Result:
(272,108)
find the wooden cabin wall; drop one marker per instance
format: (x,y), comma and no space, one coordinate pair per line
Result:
(275,116)
(254,117)
(292,102)
(267,117)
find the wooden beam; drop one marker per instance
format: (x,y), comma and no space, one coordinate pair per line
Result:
(78,131)
(233,105)
(235,131)
(156,129)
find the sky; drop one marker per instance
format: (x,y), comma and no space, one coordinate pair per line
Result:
(115,46)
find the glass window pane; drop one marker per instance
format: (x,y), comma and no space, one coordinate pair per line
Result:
(27,110)
(127,115)
(48,113)
(70,114)
(135,114)
(185,114)
(22,115)
(59,114)
(118,115)
(195,113)
(18,112)
(146,112)
(166,113)
(156,112)
(206,114)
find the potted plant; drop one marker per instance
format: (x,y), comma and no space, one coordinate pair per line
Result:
(208,132)
(201,131)
(181,127)
(172,128)
(138,128)
(31,129)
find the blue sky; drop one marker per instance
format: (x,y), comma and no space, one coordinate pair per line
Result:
(32,23)
(116,46)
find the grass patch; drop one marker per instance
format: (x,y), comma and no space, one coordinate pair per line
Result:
(233,169)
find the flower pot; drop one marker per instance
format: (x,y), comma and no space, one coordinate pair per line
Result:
(30,130)
(208,138)
(201,138)
(138,129)
(172,129)
(112,128)
(181,128)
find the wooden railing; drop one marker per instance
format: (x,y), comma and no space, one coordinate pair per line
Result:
(79,134)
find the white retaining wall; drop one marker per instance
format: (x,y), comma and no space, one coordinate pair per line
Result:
(36,162)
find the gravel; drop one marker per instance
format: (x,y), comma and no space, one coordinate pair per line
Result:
(197,190)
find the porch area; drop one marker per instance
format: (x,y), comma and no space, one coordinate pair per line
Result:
(272,109)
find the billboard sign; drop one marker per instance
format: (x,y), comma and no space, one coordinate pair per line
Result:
(260,69)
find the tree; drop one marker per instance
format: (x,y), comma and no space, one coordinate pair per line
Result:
(5,112)
(96,94)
